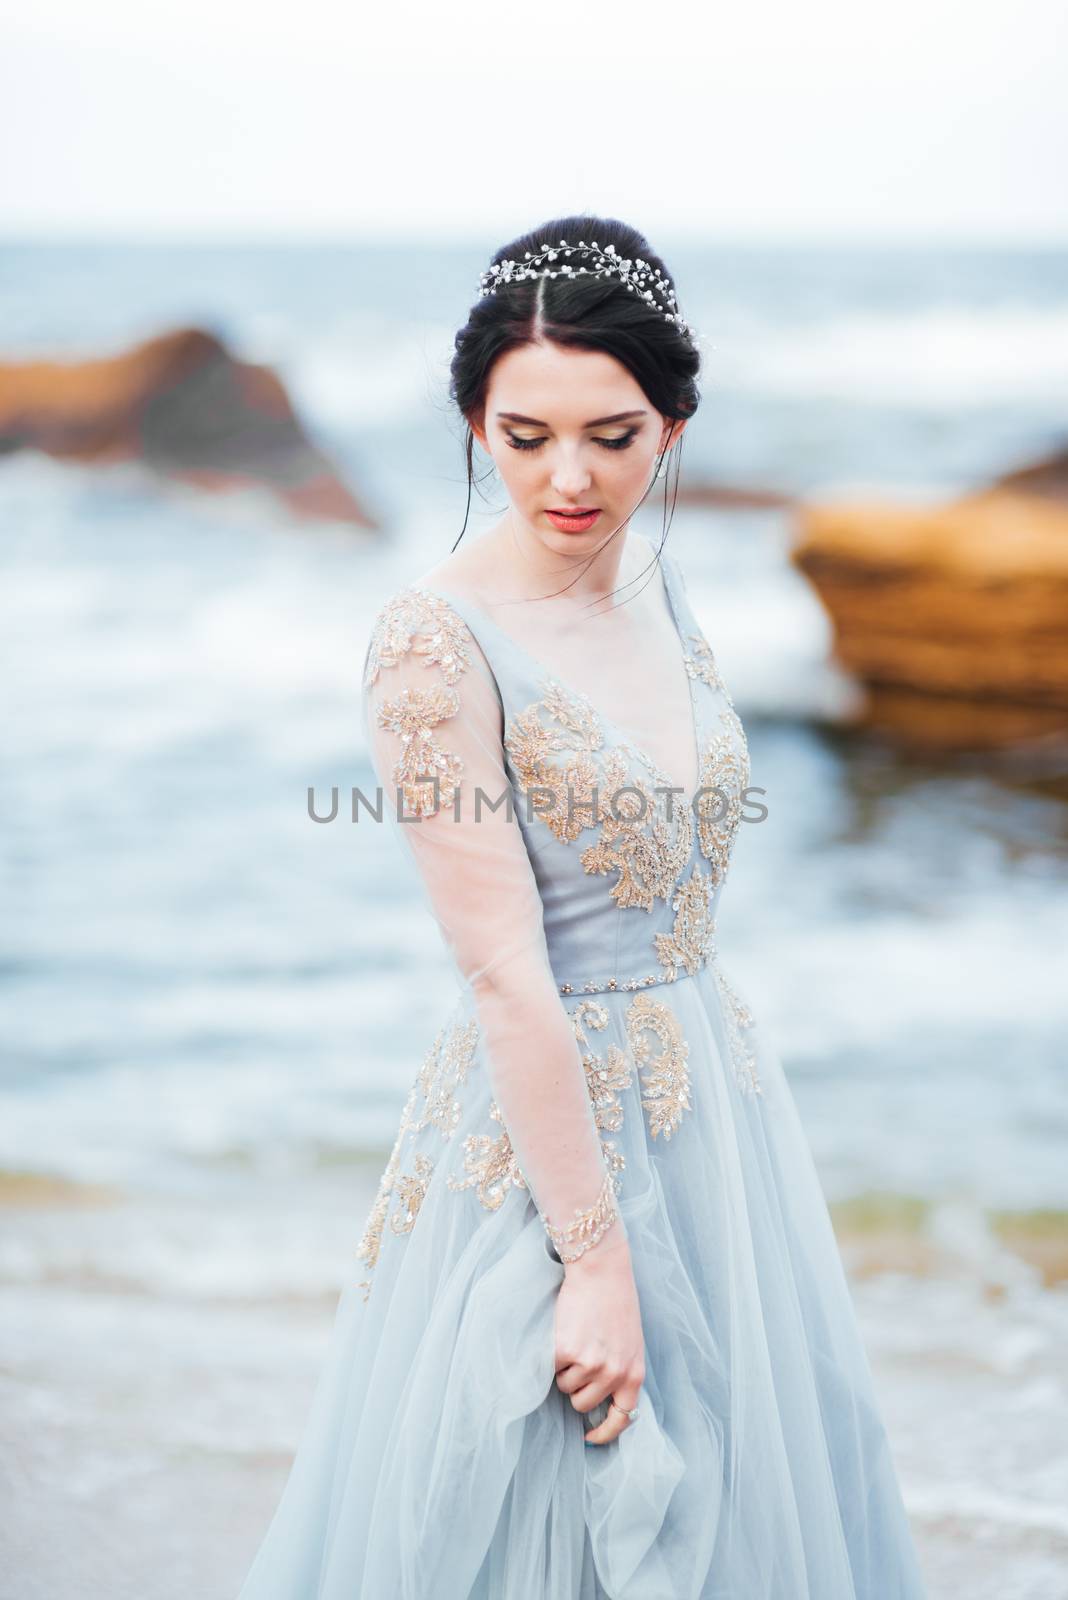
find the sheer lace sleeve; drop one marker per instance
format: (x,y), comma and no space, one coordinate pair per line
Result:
(432,718)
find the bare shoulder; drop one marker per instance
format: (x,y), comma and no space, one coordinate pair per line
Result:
(465,572)
(642,553)
(421,603)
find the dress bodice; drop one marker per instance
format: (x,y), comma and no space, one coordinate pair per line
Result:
(630,868)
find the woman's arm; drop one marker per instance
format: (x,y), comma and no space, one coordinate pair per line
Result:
(431,708)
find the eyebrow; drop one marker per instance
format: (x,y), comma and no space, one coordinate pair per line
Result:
(598,422)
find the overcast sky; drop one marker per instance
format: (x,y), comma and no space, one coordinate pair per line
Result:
(934,119)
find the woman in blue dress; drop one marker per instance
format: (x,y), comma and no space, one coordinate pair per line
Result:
(598,1340)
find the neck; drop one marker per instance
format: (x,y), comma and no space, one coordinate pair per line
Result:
(534,570)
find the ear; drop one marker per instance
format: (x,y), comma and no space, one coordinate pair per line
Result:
(477,426)
(672,433)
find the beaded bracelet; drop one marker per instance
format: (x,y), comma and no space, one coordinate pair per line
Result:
(588,1227)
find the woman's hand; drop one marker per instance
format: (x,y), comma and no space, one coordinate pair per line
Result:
(600,1352)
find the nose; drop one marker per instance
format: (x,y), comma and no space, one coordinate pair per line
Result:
(571,477)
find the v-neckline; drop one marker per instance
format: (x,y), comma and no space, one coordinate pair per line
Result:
(459,602)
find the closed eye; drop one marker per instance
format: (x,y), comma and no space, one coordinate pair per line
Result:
(622,443)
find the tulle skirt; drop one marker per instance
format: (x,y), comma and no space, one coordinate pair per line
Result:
(441,1462)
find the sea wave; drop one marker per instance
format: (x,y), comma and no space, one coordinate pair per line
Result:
(933,357)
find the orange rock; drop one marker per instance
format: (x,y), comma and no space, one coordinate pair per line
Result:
(186,408)
(964,602)
(731,497)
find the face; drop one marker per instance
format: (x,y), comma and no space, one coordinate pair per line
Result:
(571,430)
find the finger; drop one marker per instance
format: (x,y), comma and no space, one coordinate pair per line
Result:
(624,1398)
(571,1377)
(609,1429)
(590,1392)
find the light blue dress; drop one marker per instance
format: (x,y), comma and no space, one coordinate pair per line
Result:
(440,1461)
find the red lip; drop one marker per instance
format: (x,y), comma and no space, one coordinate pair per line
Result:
(572,511)
(574,521)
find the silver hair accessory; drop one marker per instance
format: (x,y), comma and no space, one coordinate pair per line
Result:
(635,274)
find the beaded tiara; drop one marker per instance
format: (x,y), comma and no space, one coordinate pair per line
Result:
(635,274)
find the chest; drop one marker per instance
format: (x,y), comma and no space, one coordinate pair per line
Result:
(603,797)
(626,683)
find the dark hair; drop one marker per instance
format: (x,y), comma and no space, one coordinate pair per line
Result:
(577,312)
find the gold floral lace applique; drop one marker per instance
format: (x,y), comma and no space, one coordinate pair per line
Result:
(739,1019)
(692,940)
(575,783)
(576,737)
(445,1067)
(427,626)
(606,1078)
(640,842)
(588,1224)
(724,770)
(411,1191)
(490,1162)
(664,1078)
(490,1165)
(701,663)
(411,716)
(371,1240)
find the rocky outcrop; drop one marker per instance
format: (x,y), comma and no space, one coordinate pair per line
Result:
(730,496)
(954,616)
(184,406)
(1048,478)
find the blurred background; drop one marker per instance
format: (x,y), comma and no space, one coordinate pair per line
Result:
(235,244)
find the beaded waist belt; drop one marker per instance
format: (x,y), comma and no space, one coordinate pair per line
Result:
(669,973)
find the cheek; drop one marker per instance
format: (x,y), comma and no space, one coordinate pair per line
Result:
(638,464)
(629,471)
(521,474)
(513,465)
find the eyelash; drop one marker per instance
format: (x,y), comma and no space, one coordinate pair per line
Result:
(621,443)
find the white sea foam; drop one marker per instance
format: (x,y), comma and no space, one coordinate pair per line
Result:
(924,358)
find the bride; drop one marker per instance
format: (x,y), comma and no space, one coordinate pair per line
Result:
(600,1224)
